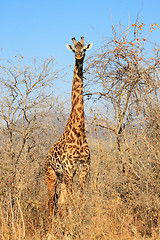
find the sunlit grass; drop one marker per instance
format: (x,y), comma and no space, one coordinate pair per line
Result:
(116,205)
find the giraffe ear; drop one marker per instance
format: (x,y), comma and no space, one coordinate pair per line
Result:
(70,47)
(88,46)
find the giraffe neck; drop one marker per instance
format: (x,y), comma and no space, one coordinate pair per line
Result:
(76,119)
(77,85)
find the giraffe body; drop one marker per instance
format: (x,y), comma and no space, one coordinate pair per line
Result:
(70,154)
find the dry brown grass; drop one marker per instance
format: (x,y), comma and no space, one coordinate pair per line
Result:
(116,205)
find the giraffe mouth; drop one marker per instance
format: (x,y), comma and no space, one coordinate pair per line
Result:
(79,58)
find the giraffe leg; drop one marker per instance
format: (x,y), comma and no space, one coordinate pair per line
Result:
(62,201)
(83,172)
(51,180)
(68,179)
(67,191)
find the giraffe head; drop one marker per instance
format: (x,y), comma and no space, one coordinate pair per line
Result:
(79,48)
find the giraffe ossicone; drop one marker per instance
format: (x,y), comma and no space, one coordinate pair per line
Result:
(70,154)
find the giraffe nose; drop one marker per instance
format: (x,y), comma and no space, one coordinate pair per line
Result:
(79,54)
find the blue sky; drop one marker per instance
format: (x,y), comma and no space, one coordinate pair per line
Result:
(42,28)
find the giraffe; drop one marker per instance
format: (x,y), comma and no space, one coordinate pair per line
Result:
(70,154)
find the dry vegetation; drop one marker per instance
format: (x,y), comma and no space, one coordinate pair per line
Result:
(122,195)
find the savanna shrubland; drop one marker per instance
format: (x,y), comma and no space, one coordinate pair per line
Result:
(122,194)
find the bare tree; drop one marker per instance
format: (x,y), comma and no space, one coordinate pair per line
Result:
(123,79)
(27,115)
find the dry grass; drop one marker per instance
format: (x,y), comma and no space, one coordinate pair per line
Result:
(116,205)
